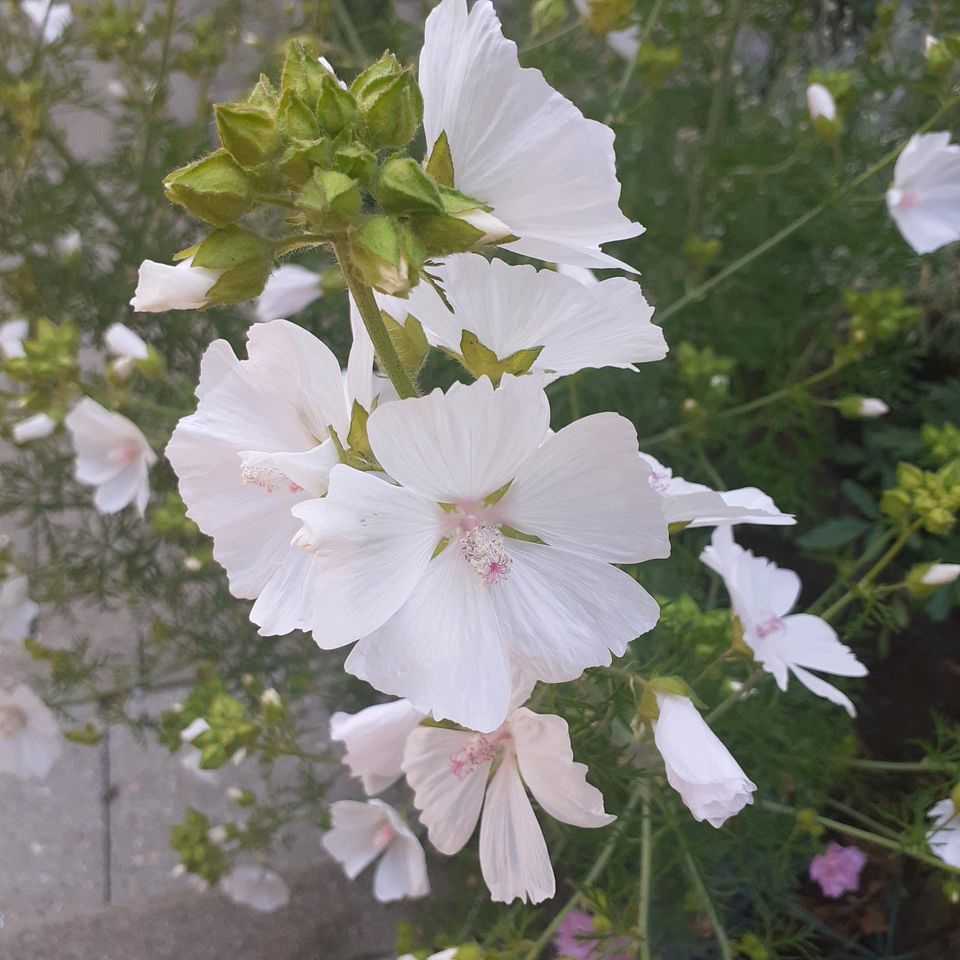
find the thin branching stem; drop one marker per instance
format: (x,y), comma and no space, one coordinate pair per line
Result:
(646,865)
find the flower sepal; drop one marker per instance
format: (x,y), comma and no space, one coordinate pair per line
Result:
(480,361)
(214,189)
(245,259)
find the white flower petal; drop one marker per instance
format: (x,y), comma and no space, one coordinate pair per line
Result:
(401,872)
(464,444)
(121,341)
(517,144)
(369,544)
(563,613)
(546,763)
(443,649)
(17,610)
(288,290)
(375,739)
(449,805)
(30,738)
(163,287)
(36,427)
(351,841)
(513,854)
(820,102)
(256,887)
(586,490)
(699,767)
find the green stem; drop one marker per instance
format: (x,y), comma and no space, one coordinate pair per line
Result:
(867,836)
(350,31)
(896,766)
(869,554)
(366,303)
(696,878)
(865,581)
(646,862)
(631,67)
(603,858)
(735,697)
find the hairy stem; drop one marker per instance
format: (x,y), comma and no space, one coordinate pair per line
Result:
(366,303)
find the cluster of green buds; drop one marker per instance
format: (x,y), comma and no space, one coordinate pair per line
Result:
(928,499)
(48,369)
(195,842)
(330,158)
(875,316)
(943,442)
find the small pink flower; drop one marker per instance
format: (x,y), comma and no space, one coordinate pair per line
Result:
(838,870)
(576,938)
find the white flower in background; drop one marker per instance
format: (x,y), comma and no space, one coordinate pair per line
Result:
(820,102)
(190,760)
(362,832)
(68,244)
(944,838)
(449,772)
(699,767)
(255,887)
(872,407)
(163,286)
(259,443)
(17,610)
(12,335)
(762,594)
(940,574)
(431,574)
(126,347)
(448,954)
(289,289)
(53,18)
(30,739)
(924,200)
(375,738)
(512,308)
(112,455)
(624,42)
(517,145)
(696,505)
(37,427)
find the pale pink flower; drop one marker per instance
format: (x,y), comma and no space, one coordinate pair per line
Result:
(762,595)
(431,576)
(30,738)
(838,870)
(576,937)
(17,610)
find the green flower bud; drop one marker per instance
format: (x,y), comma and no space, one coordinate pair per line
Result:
(214,189)
(378,252)
(547,15)
(303,73)
(248,134)
(404,187)
(336,107)
(606,15)
(300,158)
(331,201)
(295,119)
(391,103)
(264,95)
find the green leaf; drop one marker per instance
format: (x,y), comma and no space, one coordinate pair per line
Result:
(861,498)
(440,164)
(441,234)
(836,532)
(243,282)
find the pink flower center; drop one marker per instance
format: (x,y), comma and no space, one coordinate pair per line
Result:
(125,453)
(266,477)
(12,719)
(772,625)
(483,548)
(478,751)
(910,200)
(660,480)
(384,836)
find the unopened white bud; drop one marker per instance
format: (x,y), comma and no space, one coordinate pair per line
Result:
(940,574)
(217,835)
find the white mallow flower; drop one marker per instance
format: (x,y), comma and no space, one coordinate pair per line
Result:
(30,738)
(17,610)
(940,574)
(375,738)
(126,347)
(624,42)
(516,144)
(52,17)
(182,286)
(37,427)
(112,455)
(820,102)
(12,335)
(497,540)
(449,772)
(696,505)
(944,838)
(259,443)
(288,290)
(256,887)
(762,594)
(924,200)
(364,831)
(513,308)
(699,767)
